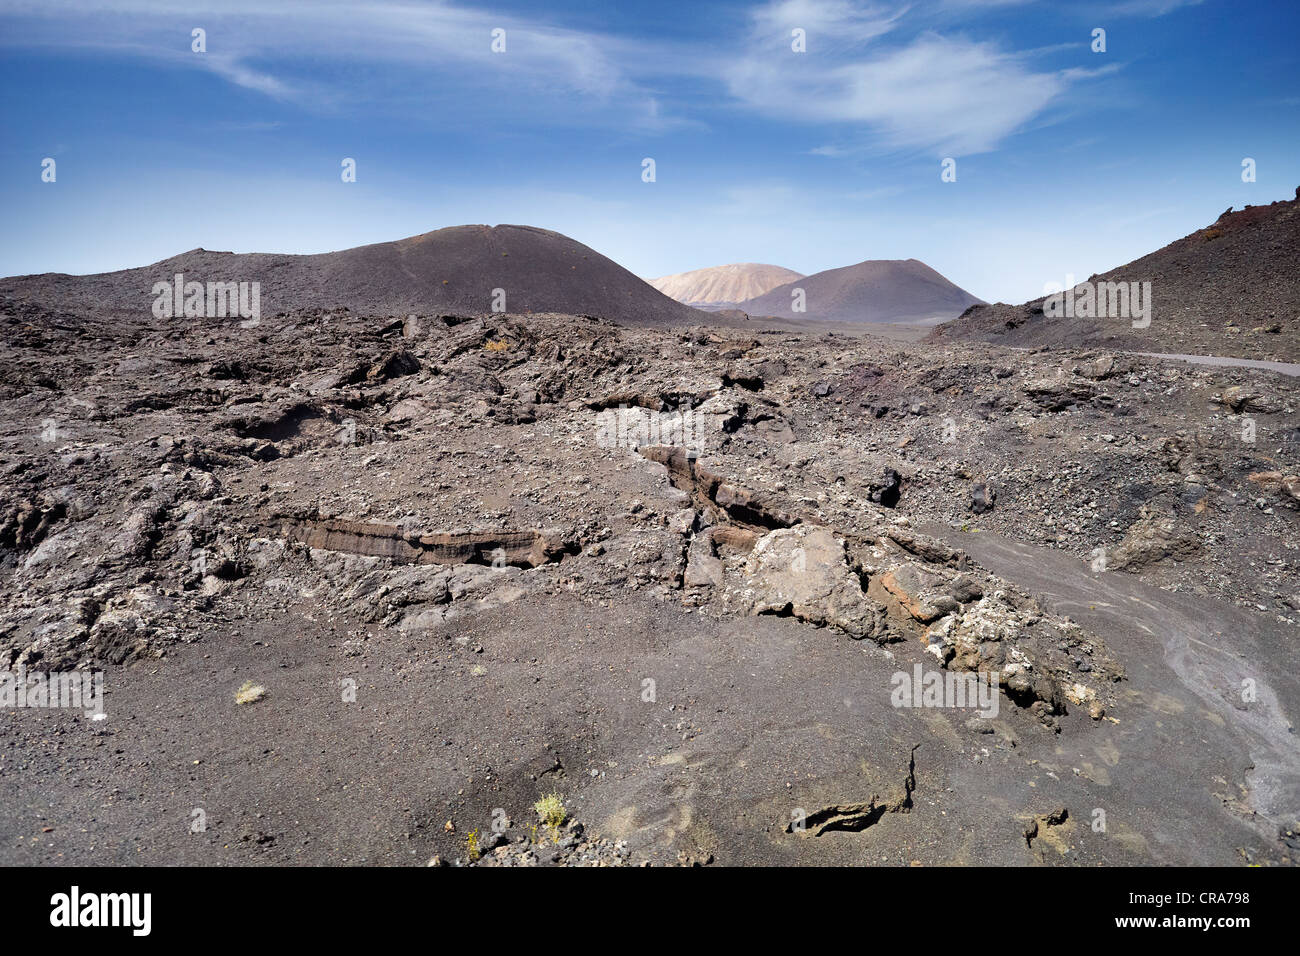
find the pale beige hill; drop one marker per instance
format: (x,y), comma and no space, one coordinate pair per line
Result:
(724,285)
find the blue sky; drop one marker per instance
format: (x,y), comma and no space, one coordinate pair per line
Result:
(1067,160)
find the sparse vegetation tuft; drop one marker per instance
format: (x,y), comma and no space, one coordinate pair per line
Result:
(550,809)
(249,693)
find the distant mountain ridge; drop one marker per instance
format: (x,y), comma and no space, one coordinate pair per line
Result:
(877,290)
(457,269)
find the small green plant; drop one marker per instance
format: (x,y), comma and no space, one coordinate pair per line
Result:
(550,809)
(471,846)
(532,834)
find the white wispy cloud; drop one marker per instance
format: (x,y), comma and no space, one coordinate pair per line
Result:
(861,76)
(263,45)
(831,23)
(1148,8)
(946,94)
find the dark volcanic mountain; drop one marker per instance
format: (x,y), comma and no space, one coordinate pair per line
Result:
(452,270)
(1230,289)
(878,290)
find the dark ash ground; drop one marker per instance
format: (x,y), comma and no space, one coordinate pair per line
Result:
(423,507)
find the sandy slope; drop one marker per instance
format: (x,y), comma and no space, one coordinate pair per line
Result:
(723,286)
